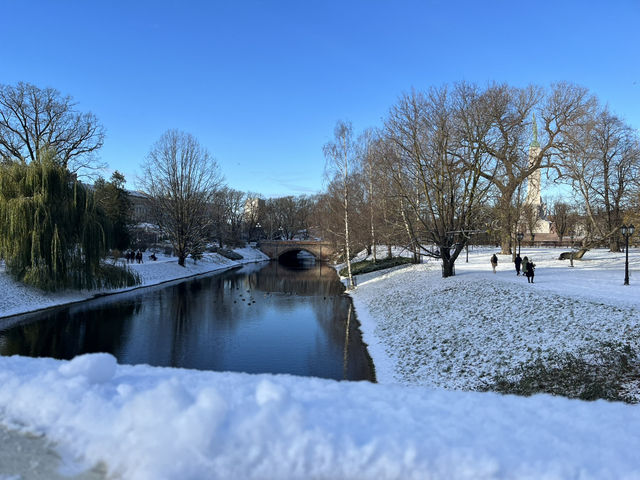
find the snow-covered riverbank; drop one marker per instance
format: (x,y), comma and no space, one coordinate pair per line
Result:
(17,298)
(141,422)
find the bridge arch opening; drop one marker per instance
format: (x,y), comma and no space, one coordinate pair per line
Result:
(297,257)
(321,250)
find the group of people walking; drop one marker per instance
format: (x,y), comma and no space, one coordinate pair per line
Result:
(528,267)
(132,256)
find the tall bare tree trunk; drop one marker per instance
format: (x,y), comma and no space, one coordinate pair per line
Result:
(407,226)
(373,230)
(447,264)
(346,218)
(507,222)
(337,154)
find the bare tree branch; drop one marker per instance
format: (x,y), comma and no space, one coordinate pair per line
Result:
(33,120)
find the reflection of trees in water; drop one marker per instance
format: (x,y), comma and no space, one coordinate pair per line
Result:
(318,279)
(178,311)
(196,324)
(174,323)
(272,284)
(68,332)
(338,320)
(190,322)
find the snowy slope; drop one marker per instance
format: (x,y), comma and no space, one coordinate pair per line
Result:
(461,331)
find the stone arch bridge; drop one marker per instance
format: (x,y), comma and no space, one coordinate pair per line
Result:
(323,251)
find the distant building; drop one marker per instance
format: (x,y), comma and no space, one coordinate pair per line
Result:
(140,206)
(544,233)
(534,199)
(253,207)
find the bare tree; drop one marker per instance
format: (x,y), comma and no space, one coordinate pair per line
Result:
(508,142)
(232,208)
(34,119)
(180,179)
(340,157)
(563,218)
(370,157)
(436,171)
(388,216)
(287,217)
(601,165)
(389,228)
(633,215)
(226,212)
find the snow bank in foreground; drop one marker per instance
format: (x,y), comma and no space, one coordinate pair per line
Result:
(159,423)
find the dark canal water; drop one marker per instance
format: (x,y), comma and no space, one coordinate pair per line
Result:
(262,318)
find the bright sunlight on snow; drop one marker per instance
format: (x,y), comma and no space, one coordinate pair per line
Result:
(432,341)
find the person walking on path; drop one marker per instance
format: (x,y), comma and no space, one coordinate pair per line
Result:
(530,271)
(494,262)
(518,262)
(525,262)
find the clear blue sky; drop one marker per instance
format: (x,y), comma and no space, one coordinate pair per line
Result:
(262,84)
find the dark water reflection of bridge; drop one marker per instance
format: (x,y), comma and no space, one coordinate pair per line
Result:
(262,318)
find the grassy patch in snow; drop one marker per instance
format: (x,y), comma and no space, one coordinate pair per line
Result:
(603,372)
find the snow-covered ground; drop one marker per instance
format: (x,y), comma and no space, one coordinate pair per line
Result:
(141,422)
(460,332)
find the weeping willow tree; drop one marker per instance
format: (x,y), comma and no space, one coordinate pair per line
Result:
(52,233)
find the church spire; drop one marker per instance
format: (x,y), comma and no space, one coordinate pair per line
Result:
(534,143)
